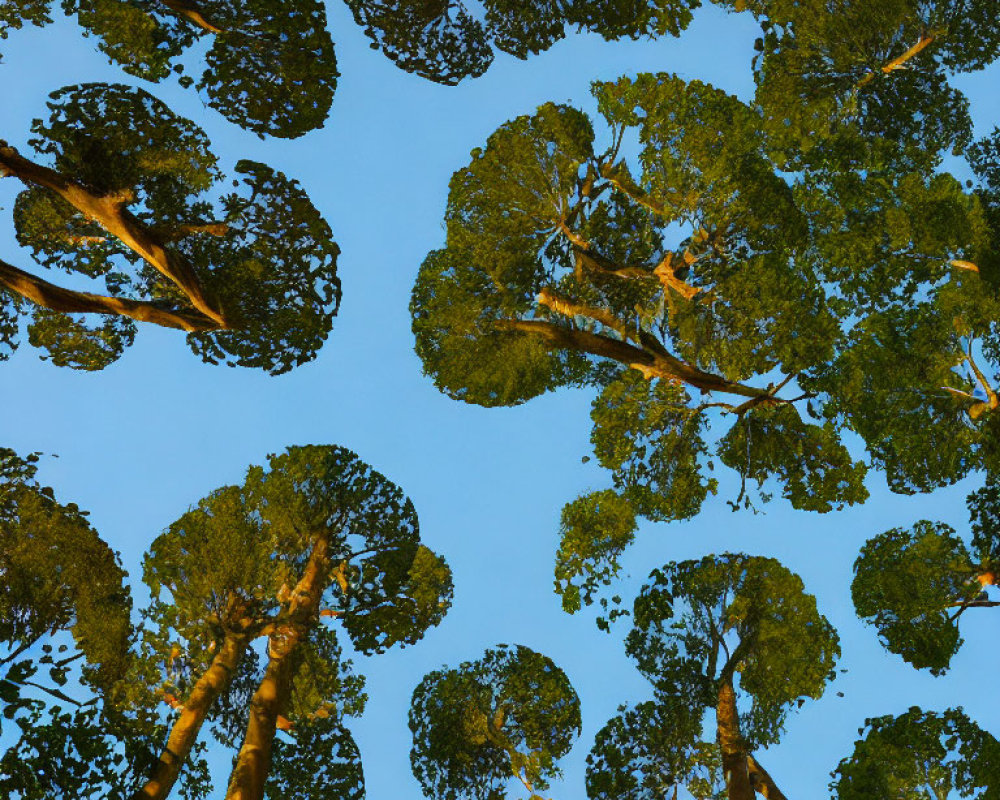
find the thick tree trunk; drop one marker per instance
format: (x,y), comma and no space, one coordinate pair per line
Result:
(67,301)
(184,732)
(111,213)
(734,752)
(271,698)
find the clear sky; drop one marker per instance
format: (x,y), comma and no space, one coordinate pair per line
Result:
(142,440)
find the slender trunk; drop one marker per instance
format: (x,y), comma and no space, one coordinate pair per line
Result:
(184,732)
(55,298)
(271,698)
(762,782)
(111,213)
(734,752)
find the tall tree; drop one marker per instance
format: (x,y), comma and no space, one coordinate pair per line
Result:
(733,633)
(131,195)
(703,287)
(921,755)
(270,67)
(914,584)
(511,714)
(686,298)
(317,537)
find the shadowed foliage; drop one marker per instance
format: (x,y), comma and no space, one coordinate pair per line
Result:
(510,715)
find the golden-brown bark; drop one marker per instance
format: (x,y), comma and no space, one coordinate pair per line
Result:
(900,60)
(66,301)
(652,360)
(734,752)
(762,782)
(184,732)
(271,698)
(192,12)
(111,212)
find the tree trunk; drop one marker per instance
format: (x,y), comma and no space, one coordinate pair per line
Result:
(762,782)
(734,752)
(184,732)
(192,12)
(271,698)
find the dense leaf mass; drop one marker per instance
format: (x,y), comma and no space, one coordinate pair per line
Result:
(511,714)
(132,200)
(644,752)
(921,755)
(447,40)
(683,288)
(270,67)
(739,618)
(914,584)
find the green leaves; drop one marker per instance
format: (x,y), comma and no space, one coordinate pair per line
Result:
(511,714)
(920,755)
(910,584)
(270,67)
(815,469)
(252,275)
(745,619)
(644,752)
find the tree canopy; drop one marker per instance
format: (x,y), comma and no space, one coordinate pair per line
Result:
(914,584)
(922,755)
(447,40)
(734,633)
(316,536)
(510,714)
(131,196)
(270,67)
(694,284)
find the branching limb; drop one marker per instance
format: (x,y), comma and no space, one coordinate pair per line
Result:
(900,61)
(66,301)
(111,213)
(762,782)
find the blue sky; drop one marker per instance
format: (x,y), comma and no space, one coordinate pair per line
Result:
(141,441)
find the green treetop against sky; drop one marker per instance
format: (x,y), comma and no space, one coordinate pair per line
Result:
(697,305)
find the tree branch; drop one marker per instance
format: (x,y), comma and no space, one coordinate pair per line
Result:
(900,61)
(111,213)
(762,782)
(192,12)
(66,301)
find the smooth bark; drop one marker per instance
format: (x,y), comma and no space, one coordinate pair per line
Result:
(111,212)
(55,298)
(270,700)
(184,732)
(734,752)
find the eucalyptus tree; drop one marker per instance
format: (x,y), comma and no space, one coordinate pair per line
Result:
(914,584)
(270,66)
(733,633)
(684,298)
(921,755)
(511,714)
(315,541)
(131,196)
